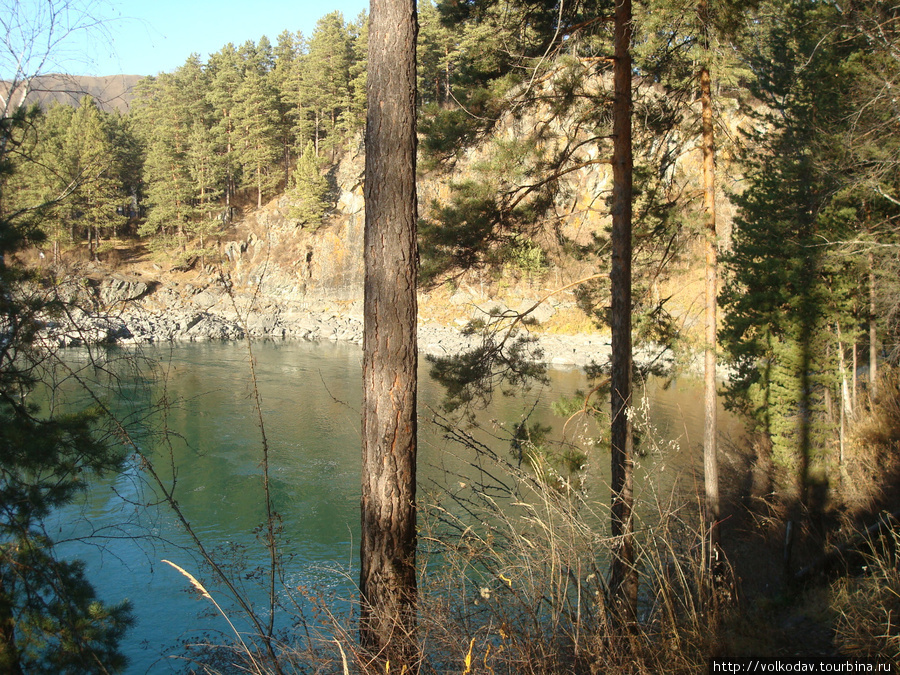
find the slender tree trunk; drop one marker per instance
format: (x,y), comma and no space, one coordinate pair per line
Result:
(317,132)
(710,426)
(259,188)
(873,336)
(388,547)
(9,651)
(845,393)
(623,575)
(446,75)
(229,174)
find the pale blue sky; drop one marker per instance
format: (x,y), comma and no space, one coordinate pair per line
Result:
(147,37)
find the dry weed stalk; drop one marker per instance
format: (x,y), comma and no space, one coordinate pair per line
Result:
(873,448)
(515,579)
(868,606)
(254,663)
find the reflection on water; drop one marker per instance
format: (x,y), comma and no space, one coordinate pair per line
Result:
(311,400)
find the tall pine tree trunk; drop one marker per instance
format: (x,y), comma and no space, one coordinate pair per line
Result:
(623,575)
(316,133)
(873,335)
(710,426)
(259,186)
(388,547)
(845,393)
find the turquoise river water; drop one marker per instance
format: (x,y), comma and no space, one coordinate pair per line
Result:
(310,396)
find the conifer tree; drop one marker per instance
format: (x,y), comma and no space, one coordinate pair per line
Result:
(788,296)
(687,48)
(576,30)
(259,56)
(165,126)
(387,582)
(294,93)
(207,176)
(93,168)
(623,575)
(436,55)
(355,116)
(326,79)
(203,160)
(185,168)
(226,76)
(48,175)
(309,189)
(50,618)
(72,153)
(868,170)
(257,120)
(281,78)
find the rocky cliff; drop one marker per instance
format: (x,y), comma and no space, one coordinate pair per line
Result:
(275,278)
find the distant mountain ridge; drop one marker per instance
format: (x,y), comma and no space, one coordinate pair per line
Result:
(112,92)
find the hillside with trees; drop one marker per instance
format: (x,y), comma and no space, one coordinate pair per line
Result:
(716,181)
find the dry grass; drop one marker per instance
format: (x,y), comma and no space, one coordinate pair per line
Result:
(515,582)
(871,471)
(868,606)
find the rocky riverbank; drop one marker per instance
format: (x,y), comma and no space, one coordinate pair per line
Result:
(119,310)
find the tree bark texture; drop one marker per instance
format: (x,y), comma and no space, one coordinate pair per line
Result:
(710,423)
(388,548)
(623,575)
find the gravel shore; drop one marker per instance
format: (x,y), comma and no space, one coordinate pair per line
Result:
(131,312)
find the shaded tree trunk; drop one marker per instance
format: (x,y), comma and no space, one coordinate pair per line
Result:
(259,187)
(9,651)
(388,547)
(710,425)
(873,335)
(623,575)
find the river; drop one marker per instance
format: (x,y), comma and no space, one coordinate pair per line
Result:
(310,396)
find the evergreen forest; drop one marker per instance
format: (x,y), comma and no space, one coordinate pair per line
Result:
(716,180)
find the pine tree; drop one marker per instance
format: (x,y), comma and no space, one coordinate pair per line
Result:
(207,176)
(50,618)
(354,118)
(74,172)
(164,124)
(92,160)
(257,134)
(787,296)
(326,79)
(437,49)
(865,162)
(281,78)
(576,38)
(185,168)
(309,189)
(46,175)
(623,574)
(387,582)
(294,94)
(226,76)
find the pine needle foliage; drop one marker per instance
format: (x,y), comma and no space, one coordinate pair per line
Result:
(309,189)
(795,307)
(50,618)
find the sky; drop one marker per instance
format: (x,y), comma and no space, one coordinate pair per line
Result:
(146,37)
